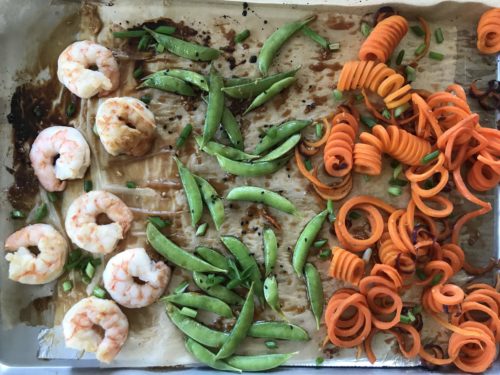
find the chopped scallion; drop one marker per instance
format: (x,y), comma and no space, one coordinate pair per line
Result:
(386,114)
(242,36)
(67,286)
(325,254)
(184,135)
(201,230)
(319,361)
(439,35)
(368,121)
(52,196)
(90,270)
(334,46)
(395,191)
(158,222)
(420,49)
(17,214)
(365,29)
(131,184)
(430,157)
(411,73)
(308,164)
(87,185)
(400,110)
(186,311)
(99,292)
(420,274)
(397,171)
(319,131)
(399,58)
(181,288)
(319,243)
(436,55)
(436,279)
(418,31)
(337,95)
(40,212)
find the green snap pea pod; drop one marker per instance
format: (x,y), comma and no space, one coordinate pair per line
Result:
(305,241)
(188,50)
(240,329)
(217,291)
(258,362)
(261,195)
(270,250)
(270,93)
(242,255)
(212,200)
(271,295)
(278,133)
(236,81)
(276,40)
(249,88)
(200,301)
(278,330)
(215,106)
(192,192)
(138,33)
(189,76)
(169,84)
(214,149)
(283,149)
(245,169)
(314,291)
(232,129)
(195,330)
(175,254)
(213,257)
(206,357)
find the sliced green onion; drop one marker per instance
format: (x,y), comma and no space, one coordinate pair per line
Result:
(314,36)
(40,212)
(404,319)
(436,279)
(87,185)
(399,58)
(386,114)
(96,262)
(398,182)
(270,344)
(319,361)
(319,131)
(319,243)
(331,218)
(395,191)
(368,121)
(365,29)
(420,49)
(337,95)
(329,206)
(308,164)
(418,31)
(334,46)
(67,286)
(52,196)
(70,109)
(411,74)
(439,35)
(17,214)
(411,316)
(400,110)
(167,30)
(90,270)
(129,34)
(186,311)
(242,36)
(436,55)
(420,274)
(327,253)
(184,135)
(430,157)
(354,215)
(131,184)
(138,72)
(397,171)
(99,292)
(181,287)
(359,98)
(201,230)
(146,99)
(144,42)
(158,222)
(74,257)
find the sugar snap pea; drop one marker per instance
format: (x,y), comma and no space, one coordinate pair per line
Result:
(278,330)
(215,106)
(212,200)
(188,50)
(270,250)
(282,149)
(214,148)
(200,301)
(305,241)
(167,30)
(314,291)
(274,42)
(175,254)
(194,329)
(279,133)
(236,81)
(189,76)
(271,294)
(261,195)
(232,129)
(258,362)
(206,357)
(169,84)
(217,291)
(245,169)
(192,192)
(270,93)
(246,88)
(240,329)
(213,257)
(242,255)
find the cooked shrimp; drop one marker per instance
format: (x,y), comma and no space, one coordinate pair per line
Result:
(125,126)
(28,268)
(119,279)
(75,69)
(96,325)
(83,229)
(70,151)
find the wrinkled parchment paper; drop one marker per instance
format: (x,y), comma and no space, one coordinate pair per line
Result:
(153,340)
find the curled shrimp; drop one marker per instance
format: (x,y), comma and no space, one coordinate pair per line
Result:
(74,69)
(96,325)
(83,229)
(28,268)
(125,126)
(122,270)
(68,148)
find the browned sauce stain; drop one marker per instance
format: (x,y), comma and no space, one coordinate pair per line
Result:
(321,65)
(338,23)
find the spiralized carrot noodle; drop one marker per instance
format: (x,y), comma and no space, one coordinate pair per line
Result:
(368,155)
(436,298)
(338,150)
(389,273)
(398,332)
(386,306)
(383,39)
(346,266)
(391,255)
(488,32)
(370,206)
(346,328)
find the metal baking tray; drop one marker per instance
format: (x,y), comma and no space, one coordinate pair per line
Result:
(18,33)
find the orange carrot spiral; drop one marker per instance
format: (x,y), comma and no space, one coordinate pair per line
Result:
(346,266)
(488,32)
